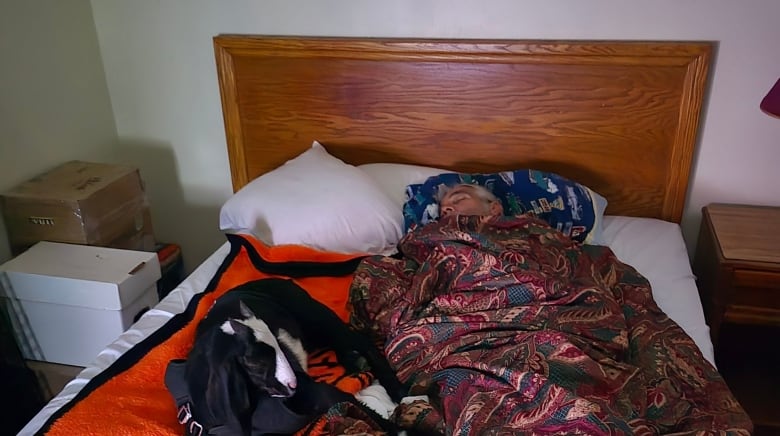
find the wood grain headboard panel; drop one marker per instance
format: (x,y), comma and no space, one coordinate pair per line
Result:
(619,116)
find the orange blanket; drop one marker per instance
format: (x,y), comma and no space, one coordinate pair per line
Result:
(130,397)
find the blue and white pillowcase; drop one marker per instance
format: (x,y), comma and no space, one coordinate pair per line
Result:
(568,206)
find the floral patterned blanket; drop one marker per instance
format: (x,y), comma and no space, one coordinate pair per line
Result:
(512,328)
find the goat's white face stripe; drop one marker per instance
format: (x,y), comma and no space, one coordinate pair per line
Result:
(284,372)
(296,347)
(227,328)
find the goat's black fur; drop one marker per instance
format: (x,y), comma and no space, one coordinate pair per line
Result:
(228,374)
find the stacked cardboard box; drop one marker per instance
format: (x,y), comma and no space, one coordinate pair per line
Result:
(81,203)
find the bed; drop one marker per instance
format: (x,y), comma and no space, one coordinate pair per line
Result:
(620,117)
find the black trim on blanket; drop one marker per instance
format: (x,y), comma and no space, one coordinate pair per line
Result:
(297,269)
(294,269)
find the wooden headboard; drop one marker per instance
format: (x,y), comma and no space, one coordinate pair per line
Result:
(618,116)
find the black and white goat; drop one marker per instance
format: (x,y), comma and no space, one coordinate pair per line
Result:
(247,367)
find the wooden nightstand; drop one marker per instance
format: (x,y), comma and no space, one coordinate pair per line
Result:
(737,266)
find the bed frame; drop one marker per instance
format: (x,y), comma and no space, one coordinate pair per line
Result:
(618,116)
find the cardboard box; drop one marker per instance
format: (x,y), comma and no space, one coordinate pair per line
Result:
(80,203)
(69,301)
(52,377)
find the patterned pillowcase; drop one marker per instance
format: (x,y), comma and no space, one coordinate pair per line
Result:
(568,206)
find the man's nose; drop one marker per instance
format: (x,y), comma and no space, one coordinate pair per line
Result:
(446,210)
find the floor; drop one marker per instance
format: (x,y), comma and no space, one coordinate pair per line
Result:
(749,359)
(52,377)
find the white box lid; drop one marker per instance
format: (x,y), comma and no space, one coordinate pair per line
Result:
(88,276)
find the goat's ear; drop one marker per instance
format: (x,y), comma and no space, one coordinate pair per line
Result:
(245,311)
(226,395)
(242,331)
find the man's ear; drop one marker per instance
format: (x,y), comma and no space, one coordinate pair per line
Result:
(496,208)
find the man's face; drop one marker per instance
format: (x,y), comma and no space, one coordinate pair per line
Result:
(463,200)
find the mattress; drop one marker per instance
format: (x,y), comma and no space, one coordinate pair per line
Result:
(654,247)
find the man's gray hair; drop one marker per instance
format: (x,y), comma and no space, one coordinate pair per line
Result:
(481,191)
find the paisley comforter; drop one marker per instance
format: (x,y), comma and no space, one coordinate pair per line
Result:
(512,328)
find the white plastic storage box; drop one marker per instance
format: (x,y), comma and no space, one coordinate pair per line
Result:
(69,301)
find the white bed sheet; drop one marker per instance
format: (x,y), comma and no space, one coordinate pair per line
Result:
(654,247)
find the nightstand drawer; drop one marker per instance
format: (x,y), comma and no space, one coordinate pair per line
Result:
(758,289)
(747,278)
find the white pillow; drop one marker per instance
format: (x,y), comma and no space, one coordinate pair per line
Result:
(394,178)
(319,201)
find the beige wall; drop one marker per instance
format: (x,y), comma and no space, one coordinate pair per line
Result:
(159,67)
(54,102)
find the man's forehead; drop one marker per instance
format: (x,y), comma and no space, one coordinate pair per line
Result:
(457,189)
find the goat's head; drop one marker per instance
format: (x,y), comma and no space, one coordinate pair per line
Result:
(261,358)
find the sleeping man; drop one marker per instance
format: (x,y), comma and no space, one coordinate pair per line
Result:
(511,327)
(465,199)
